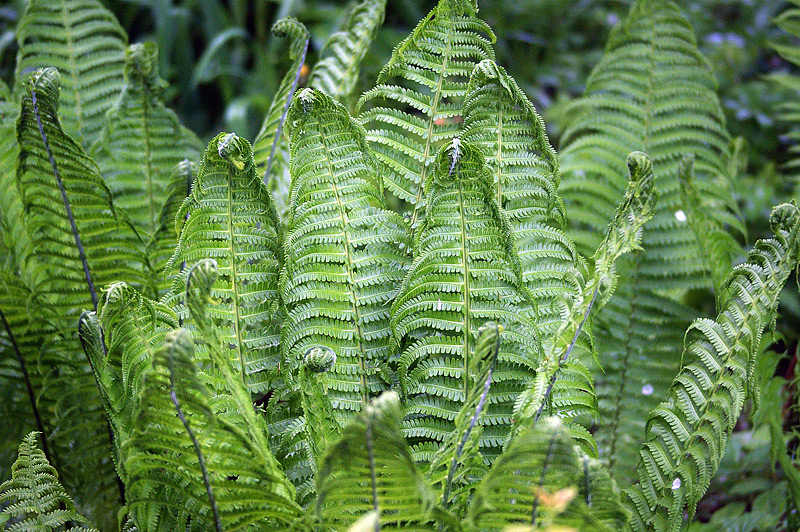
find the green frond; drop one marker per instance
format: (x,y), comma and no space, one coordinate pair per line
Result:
(416,105)
(370,468)
(33,500)
(139,146)
(191,466)
(13,236)
(502,122)
(84,41)
(321,425)
(540,481)
(788,109)
(686,434)
(336,73)
(271,148)
(345,253)
(230,217)
(465,273)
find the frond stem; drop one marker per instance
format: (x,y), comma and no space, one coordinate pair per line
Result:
(373,475)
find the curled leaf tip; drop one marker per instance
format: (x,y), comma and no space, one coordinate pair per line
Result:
(639,165)
(234,149)
(319,359)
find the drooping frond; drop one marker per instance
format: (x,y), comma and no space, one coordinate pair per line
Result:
(416,105)
(465,273)
(84,41)
(191,466)
(564,386)
(33,500)
(688,432)
(502,122)
(651,92)
(336,73)
(345,253)
(370,469)
(271,149)
(139,146)
(457,465)
(540,481)
(230,217)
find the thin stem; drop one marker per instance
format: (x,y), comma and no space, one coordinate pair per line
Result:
(373,475)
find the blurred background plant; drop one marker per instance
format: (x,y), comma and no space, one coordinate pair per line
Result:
(223,65)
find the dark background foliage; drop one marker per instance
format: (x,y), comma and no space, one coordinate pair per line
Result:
(223,64)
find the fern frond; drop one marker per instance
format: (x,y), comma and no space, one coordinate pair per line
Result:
(230,217)
(346,253)
(465,273)
(416,105)
(321,425)
(502,122)
(336,73)
(688,432)
(653,92)
(540,481)
(84,41)
(33,499)
(271,149)
(371,468)
(181,467)
(139,146)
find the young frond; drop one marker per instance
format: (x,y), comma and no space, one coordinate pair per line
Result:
(465,273)
(84,41)
(230,217)
(345,252)
(139,146)
(687,433)
(336,73)
(33,500)
(271,149)
(416,105)
(370,468)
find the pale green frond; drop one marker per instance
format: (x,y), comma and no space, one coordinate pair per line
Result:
(541,482)
(465,273)
(320,421)
(139,146)
(345,253)
(686,434)
(271,147)
(230,217)
(33,500)
(370,468)
(336,73)
(190,466)
(84,41)
(416,106)
(502,122)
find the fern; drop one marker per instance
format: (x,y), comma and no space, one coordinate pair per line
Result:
(139,146)
(230,217)
(84,41)
(407,124)
(465,273)
(687,433)
(345,252)
(652,92)
(33,499)
(270,149)
(336,73)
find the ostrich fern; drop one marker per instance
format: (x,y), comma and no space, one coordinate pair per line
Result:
(321,361)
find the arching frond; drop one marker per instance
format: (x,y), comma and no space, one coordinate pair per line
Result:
(465,273)
(416,105)
(688,432)
(84,41)
(654,92)
(502,122)
(370,468)
(345,252)
(230,217)
(540,481)
(336,73)
(33,500)
(190,466)
(271,148)
(139,146)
